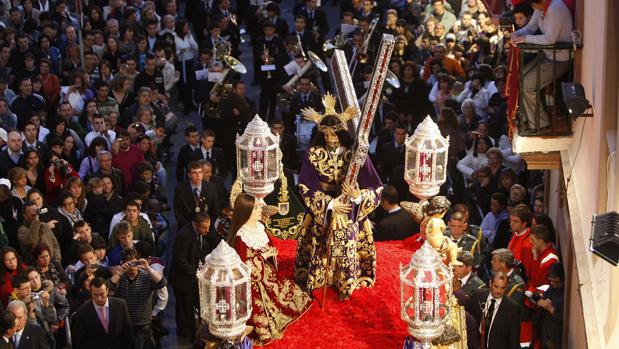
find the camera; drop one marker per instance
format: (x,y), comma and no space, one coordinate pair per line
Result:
(34,296)
(133,263)
(42,210)
(57,163)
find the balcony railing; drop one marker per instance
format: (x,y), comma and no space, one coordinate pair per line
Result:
(549,98)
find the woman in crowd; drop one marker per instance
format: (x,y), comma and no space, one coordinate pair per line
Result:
(121,93)
(58,223)
(90,163)
(112,52)
(89,112)
(56,177)
(475,160)
(98,213)
(19,183)
(68,208)
(10,266)
(34,169)
(112,199)
(70,152)
(76,188)
(276,302)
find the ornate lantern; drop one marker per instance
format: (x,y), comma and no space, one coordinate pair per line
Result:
(258,158)
(425,292)
(224,283)
(425,163)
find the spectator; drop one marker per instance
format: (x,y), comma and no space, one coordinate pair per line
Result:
(8,327)
(27,335)
(551,305)
(136,285)
(11,266)
(126,157)
(33,232)
(139,226)
(464,272)
(503,262)
(103,323)
(397,224)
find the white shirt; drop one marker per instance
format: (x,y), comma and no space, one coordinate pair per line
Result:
(395,209)
(17,337)
(465,279)
(111,136)
(556,26)
(207,152)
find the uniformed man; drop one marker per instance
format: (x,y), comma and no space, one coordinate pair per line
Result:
(503,261)
(469,280)
(457,230)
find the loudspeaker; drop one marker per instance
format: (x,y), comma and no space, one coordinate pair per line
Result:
(605,237)
(574,98)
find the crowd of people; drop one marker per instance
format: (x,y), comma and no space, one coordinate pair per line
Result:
(88,105)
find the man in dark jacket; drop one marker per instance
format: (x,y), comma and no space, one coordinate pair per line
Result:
(191,245)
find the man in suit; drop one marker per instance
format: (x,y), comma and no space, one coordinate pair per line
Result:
(397,224)
(498,315)
(192,137)
(8,327)
(194,196)
(316,18)
(11,156)
(31,142)
(193,242)
(237,111)
(307,38)
(27,335)
(287,144)
(305,97)
(392,154)
(207,151)
(103,323)
(222,193)
(273,16)
(469,280)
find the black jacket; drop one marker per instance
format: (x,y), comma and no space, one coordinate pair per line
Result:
(505,328)
(217,159)
(33,337)
(88,332)
(186,255)
(185,202)
(396,226)
(182,160)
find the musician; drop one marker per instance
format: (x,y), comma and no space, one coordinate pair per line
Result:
(287,144)
(273,16)
(304,97)
(267,48)
(207,151)
(307,39)
(202,87)
(316,18)
(336,211)
(390,24)
(237,111)
(367,11)
(222,8)
(213,37)
(229,32)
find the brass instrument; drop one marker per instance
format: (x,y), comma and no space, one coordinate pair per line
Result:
(363,55)
(222,49)
(284,98)
(338,42)
(267,59)
(223,89)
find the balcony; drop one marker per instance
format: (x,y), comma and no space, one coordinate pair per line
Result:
(528,137)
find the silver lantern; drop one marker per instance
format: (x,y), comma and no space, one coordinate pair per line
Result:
(425,163)
(258,158)
(425,294)
(224,283)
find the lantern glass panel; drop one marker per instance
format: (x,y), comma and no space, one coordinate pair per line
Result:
(272,163)
(243,163)
(222,306)
(241,300)
(440,166)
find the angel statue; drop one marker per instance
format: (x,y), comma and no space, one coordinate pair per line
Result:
(429,215)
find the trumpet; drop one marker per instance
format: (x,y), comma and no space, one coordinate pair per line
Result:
(267,59)
(241,30)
